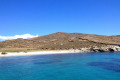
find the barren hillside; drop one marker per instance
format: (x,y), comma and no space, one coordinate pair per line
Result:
(61,40)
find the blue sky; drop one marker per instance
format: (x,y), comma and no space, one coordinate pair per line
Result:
(41,17)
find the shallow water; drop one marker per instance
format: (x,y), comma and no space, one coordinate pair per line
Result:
(89,66)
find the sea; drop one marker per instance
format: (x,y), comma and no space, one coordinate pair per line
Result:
(71,66)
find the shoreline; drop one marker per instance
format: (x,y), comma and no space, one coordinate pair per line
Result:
(39,53)
(83,50)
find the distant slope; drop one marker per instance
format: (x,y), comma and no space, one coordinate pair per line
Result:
(61,40)
(104,39)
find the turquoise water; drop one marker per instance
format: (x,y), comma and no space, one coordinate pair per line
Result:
(89,66)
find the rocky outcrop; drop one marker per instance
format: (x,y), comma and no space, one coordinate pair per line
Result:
(3,53)
(101,49)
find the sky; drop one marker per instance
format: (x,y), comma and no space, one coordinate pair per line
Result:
(33,18)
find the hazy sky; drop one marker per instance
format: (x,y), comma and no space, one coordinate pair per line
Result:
(41,17)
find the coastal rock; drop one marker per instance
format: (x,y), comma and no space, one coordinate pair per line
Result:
(3,53)
(101,49)
(111,50)
(118,49)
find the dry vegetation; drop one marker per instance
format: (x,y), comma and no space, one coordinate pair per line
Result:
(59,40)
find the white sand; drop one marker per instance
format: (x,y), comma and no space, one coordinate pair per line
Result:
(39,53)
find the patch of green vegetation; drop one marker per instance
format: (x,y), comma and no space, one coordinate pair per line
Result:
(20,50)
(12,49)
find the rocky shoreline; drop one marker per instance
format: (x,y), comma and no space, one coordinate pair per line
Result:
(100,49)
(108,48)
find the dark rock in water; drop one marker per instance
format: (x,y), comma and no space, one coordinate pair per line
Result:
(104,49)
(111,50)
(92,50)
(101,50)
(97,50)
(3,53)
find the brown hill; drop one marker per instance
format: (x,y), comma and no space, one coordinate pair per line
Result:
(61,40)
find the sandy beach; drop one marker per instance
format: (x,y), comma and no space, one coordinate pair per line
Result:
(38,53)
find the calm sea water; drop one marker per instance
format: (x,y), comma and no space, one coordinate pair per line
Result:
(89,66)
